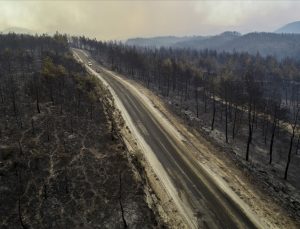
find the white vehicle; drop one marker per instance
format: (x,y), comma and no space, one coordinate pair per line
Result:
(89,64)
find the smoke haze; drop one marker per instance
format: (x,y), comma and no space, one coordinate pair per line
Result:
(124,19)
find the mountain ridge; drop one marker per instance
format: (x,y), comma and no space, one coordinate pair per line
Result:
(293,27)
(280,45)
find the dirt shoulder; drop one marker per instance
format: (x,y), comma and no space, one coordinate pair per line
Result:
(158,199)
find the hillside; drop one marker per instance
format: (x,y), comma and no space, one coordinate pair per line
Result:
(62,162)
(293,27)
(157,42)
(278,45)
(213,42)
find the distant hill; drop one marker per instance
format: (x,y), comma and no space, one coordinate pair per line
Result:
(293,27)
(280,45)
(17,30)
(188,41)
(165,41)
(212,42)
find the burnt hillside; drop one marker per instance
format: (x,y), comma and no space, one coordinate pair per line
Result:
(62,162)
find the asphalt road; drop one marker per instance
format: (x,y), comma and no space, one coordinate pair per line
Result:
(211,206)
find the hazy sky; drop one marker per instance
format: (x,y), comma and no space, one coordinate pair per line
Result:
(123,19)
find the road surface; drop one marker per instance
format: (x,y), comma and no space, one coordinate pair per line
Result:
(202,202)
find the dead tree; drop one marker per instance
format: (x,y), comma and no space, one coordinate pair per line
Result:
(294,125)
(1,95)
(20,192)
(20,148)
(212,88)
(297,145)
(32,126)
(37,93)
(250,131)
(275,123)
(197,103)
(120,200)
(254,97)
(234,120)
(213,112)
(45,195)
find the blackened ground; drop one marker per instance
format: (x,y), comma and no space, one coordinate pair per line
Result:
(67,170)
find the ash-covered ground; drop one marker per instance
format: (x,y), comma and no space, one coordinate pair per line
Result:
(62,162)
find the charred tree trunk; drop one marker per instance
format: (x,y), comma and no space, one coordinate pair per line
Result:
(291,145)
(32,126)
(45,195)
(20,214)
(51,93)
(186,90)
(91,111)
(272,140)
(249,133)
(20,191)
(120,200)
(214,113)
(47,130)
(20,148)
(1,94)
(226,121)
(71,121)
(197,103)
(234,122)
(204,99)
(37,99)
(289,155)
(298,144)
(62,103)
(13,97)
(112,131)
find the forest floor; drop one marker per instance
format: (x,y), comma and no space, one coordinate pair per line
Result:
(68,171)
(251,185)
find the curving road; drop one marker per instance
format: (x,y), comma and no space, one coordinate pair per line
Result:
(203,202)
